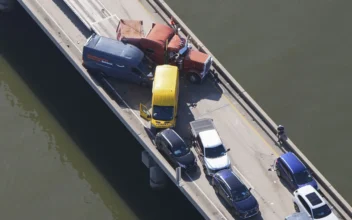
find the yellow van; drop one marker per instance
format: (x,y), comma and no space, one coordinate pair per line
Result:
(165,98)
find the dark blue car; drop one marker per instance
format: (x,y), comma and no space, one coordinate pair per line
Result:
(235,194)
(293,171)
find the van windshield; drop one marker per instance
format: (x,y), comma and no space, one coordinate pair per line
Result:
(163,113)
(303,177)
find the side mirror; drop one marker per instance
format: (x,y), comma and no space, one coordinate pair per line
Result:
(228,149)
(249,189)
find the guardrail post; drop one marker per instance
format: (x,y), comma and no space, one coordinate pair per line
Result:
(178,176)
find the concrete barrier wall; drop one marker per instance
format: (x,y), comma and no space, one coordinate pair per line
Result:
(333,196)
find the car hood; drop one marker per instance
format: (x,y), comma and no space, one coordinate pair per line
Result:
(186,159)
(247,204)
(217,163)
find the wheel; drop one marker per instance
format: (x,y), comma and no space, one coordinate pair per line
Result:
(278,173)
(212,181)
(216,190)
(296,207)
(194,78)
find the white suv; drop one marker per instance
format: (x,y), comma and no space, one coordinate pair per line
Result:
(307,200)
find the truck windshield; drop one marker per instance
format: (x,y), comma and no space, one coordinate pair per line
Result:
(321,212)
(214,152)
(240,193)
(303,177)
(163,113)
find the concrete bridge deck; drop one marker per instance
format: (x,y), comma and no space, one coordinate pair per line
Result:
(253,150)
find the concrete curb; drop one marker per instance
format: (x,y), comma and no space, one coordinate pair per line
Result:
(339,202)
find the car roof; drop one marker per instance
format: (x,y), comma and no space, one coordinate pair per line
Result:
(210,138)
(311,196)
(129,52)
(230,178)
(173,138)
(292,161)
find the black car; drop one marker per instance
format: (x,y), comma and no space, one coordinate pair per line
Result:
(235,194)
(169,143)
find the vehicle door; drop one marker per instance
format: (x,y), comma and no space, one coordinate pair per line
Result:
(224,192)
(288,175)
(120,71)
(144,112)
(168,151)
(284,171)
(164,146)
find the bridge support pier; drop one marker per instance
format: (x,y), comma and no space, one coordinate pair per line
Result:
(6,5)
(156,174)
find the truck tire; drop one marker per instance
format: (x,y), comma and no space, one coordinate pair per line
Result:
(194,78)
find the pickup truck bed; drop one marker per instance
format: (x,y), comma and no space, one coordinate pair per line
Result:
(200,125)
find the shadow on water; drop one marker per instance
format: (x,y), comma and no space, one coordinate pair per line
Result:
(88,121)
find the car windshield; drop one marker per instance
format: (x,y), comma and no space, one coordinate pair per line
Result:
(303,177)
(180,150)
(321,212)
(240,193)
(163,113)
(215,152)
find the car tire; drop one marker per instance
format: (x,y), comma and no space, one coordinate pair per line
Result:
(278,173)
(194,78)
(212,181)
(296,207)
(216,189)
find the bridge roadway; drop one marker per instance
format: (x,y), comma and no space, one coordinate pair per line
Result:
(252,151)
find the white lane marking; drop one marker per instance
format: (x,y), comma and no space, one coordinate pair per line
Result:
(243,177)
(134,113)
(223,216)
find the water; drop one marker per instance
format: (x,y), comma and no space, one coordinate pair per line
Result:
(294,59)
(63,153)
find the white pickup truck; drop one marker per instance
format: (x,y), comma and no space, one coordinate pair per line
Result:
(209,147)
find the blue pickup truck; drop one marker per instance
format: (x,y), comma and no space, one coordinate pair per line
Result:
(112,58)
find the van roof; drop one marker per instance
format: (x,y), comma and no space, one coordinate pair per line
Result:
(129,52)
(293,162)
(165,84)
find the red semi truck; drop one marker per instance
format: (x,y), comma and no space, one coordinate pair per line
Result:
(163,45)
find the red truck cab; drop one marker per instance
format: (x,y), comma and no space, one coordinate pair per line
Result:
(163,45)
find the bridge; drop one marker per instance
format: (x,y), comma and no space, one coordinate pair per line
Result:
(242,124)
